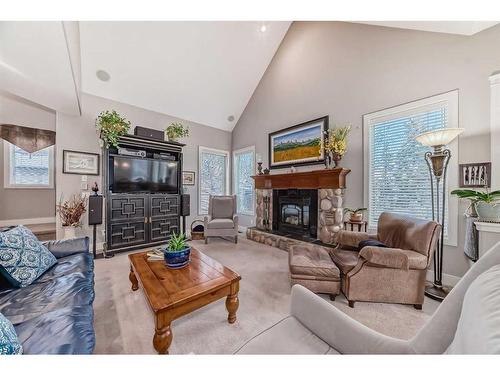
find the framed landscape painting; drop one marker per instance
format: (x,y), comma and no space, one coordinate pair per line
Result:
(298,145)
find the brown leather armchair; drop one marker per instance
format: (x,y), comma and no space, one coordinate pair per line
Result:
(395,274)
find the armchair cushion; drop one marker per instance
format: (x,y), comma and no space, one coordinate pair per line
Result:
(345,260)
(288,336)
(389,257)
(220,224)
(222,207)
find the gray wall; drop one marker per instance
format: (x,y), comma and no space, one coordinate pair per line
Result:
(78,133)
(346,70)
(24,203)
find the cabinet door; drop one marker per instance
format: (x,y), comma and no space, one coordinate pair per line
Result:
(164,216)
(127,218)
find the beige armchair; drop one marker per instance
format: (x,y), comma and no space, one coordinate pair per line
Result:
(221,220)
(395,274)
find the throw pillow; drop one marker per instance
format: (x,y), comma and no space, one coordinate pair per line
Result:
(370,243)
(9,343)
(23,259)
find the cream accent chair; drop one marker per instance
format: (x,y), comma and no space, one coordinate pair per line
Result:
(221,220)
(466,322)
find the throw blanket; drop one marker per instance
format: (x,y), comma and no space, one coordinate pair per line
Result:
(471,246)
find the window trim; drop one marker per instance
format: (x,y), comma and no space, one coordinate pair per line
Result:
(235,153)
(7,152)
(225,153)
(451,98)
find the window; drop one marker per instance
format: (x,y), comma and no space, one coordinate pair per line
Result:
(28,171)
(214,175)
(243,170)
(397,175)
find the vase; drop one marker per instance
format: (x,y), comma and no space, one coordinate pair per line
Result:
(69,232)
(356,218)
(488,211)
(336,159)
(177,259)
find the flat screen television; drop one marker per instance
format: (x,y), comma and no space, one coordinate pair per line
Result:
(144,175)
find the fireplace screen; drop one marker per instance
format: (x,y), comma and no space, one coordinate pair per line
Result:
(295,212)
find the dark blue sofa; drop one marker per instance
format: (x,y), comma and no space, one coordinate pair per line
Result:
(54,315)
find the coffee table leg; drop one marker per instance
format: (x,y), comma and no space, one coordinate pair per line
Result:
(163,336)
(232,303)
(133,279)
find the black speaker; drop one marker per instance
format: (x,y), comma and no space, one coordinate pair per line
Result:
(143,132)
(95,209)
(185,205)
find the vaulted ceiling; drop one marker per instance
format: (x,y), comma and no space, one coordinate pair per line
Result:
(204,72)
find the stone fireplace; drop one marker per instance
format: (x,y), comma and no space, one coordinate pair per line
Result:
(301,206)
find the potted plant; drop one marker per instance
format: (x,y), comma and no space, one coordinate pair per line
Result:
(335,145)
(356,214)
(177,252)
(111,126)
(175,131)
(486,204)
(70,212)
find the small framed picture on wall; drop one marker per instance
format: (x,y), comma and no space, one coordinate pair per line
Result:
(76,162)
(475,175)
(188,178)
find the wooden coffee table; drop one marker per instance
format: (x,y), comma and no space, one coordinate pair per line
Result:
(174,293)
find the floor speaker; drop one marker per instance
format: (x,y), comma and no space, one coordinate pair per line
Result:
(95,209)
(185,205)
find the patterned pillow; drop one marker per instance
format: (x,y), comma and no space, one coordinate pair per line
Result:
(23,259)
(9,343)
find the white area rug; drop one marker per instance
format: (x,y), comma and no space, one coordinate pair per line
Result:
(124,322)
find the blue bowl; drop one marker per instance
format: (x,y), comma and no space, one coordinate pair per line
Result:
(177,259)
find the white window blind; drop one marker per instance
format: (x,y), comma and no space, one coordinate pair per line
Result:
(398,176)
(244,169)
(214,175)
(25,170)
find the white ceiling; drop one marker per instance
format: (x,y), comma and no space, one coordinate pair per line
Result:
(450,27)
(35,64)
(198,71)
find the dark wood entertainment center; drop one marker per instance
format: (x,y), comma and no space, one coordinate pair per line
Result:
(140,219)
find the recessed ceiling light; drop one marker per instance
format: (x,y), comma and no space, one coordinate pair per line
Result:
(263,28)
(103,75)
(230,118)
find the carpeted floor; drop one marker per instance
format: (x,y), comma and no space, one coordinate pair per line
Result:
(124,322)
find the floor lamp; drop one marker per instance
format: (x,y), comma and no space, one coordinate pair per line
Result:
(437,161)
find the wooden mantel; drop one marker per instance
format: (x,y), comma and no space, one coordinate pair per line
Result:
(317,179)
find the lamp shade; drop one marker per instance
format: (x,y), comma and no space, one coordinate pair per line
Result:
(440,137)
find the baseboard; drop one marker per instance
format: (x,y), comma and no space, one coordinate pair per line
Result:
(36,220)
(450,280)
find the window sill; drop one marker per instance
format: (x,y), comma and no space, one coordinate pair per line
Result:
(28,187)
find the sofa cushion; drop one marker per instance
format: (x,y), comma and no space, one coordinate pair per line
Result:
(288,336)
(74,289)
(68,330)
(23,258)
(9,343)
(345,260)
(370,242)
(312,261)
(222,207)
(220,224)
(478,329)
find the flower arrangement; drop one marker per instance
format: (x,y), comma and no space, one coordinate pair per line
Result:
(176,130)
(336,140)
(71,211)
(111,126)
(335,144)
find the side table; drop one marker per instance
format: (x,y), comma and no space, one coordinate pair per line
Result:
(361,225)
